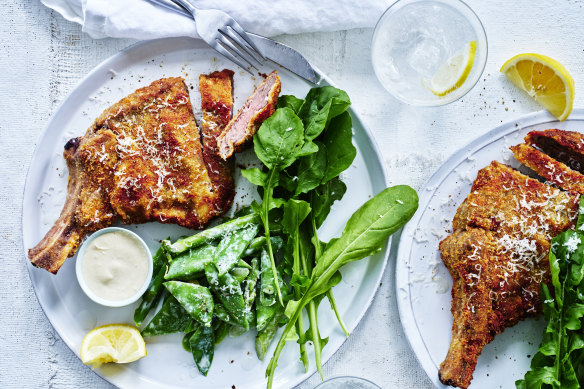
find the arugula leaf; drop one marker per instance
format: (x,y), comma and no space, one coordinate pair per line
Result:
(366,233)
(295,211)
(557,364)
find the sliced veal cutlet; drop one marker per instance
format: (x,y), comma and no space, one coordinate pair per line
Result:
(547,167)
(217,106)
(258,107)
(565,146)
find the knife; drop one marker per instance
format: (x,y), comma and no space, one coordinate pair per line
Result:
(276,52)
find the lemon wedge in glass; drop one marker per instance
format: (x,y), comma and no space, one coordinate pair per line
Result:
(544,79)
(119,343)
(454,72)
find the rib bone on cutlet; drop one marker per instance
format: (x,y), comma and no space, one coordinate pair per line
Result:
(497,257)
(140,161)
(258,107)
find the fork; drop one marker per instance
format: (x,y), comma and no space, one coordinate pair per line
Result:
(222,33)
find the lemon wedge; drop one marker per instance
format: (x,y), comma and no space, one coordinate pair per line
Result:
(544,79)
(119,343)
(454,72)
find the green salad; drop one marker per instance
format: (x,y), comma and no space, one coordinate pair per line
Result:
(262,269)
(559,361)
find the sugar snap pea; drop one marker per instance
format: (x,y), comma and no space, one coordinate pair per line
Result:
(249,291)
(152,296)
(195,299)
(210,234)
(228,289)
(202,345)
(190,265)
(221,331)
(260,242)
(232,246)
(239,273)
(265,336)
(221,313)
(172,317)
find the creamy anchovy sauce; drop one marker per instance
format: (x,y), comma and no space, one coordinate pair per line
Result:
(115,265)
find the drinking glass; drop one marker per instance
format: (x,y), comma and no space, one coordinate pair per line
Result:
(414,39)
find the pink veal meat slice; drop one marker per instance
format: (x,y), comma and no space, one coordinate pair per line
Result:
(258,107)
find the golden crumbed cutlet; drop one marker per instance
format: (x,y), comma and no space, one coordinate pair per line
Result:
(140,161)
(552,170)
(497,257)
(565,146)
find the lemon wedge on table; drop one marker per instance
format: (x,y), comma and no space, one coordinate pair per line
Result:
(119,343)
(454,72)
(544,79)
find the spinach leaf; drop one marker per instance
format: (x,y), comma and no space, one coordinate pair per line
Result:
(320,106)
(323,198)
(289,101)
(338,142)
(279,139)
(311,170)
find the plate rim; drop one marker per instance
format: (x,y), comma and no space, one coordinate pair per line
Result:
(402,283)
(325,80)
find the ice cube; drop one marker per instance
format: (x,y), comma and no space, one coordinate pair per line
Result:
(425,57)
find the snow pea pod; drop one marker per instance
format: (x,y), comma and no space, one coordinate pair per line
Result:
(265,336)
(202,345)
(260,242)
(239,273)
(221,330)
(211,234)
(195,299)
(190,265)
(228,289)
(267,282)
(172,317)
(221,313)
(153,294)
(249,292)
(232,246)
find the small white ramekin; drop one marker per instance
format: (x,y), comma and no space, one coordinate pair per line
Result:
(85,287)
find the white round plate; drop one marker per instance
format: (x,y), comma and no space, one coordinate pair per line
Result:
(422,281)
(167,365)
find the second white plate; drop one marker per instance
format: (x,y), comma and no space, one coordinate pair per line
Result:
(423,282)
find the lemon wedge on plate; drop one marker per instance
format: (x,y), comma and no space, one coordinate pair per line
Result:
(544,79)
(119,343)
(454,72)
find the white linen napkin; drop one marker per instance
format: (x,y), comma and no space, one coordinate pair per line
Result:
(139,19)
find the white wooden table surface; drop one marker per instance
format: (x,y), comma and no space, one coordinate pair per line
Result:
(43,56)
